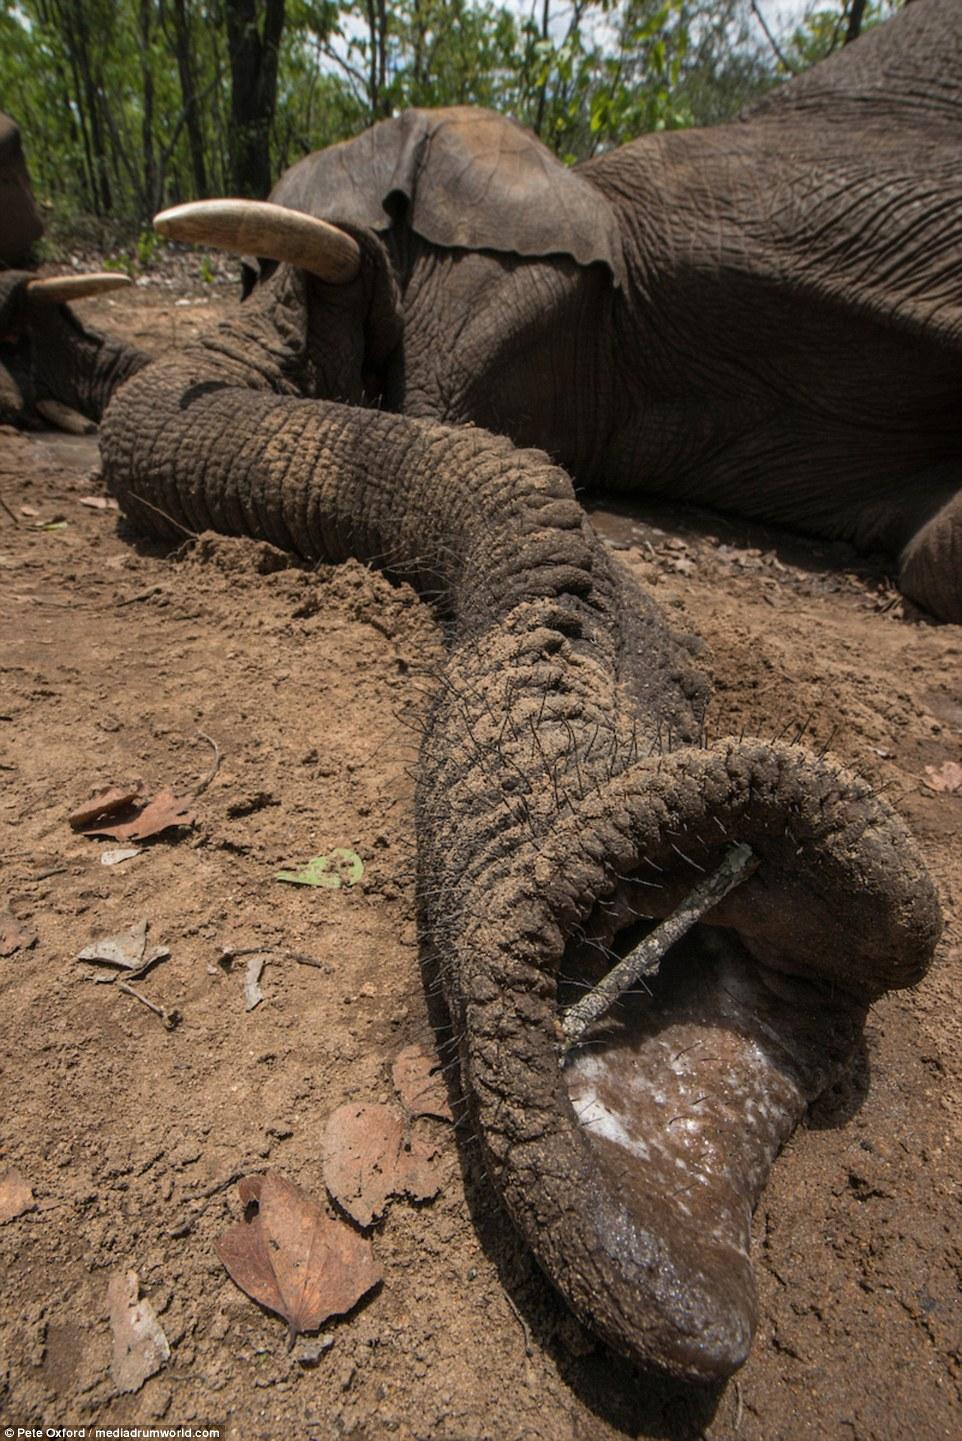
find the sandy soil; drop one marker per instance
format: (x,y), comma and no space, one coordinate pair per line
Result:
(116,662)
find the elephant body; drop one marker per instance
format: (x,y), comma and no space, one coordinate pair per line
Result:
(20,223)
(765,318)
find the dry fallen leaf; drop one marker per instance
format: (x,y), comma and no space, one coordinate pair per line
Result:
(127,951)
(163,813)
(294,1258)
(99,502)
(366,1161)
(115,800)
(140,1346)
(946,778)
(360,1150)
(419,1083)
(116,855)
(16,1196)
(14,935)
(253,995)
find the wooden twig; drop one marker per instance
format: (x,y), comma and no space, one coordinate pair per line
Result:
(170,1018)
(229,953)
(782,59)
(141,595)
(526,1329)
(202,1200)
(215,763)
(645,959)
(141,500)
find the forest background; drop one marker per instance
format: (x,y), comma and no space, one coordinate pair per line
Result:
(130,105)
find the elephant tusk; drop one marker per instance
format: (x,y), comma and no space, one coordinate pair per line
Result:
(63,417)
(255,227)
(59,289)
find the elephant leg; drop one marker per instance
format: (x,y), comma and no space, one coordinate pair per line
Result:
(931,562)
(917,518)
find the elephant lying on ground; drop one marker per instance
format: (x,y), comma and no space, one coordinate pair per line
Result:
(20,223)
(374,396)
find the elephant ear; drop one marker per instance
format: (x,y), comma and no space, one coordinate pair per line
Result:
(465,178)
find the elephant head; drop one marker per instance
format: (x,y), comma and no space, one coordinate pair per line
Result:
(47,357)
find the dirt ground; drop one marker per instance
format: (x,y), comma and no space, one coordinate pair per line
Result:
(118,662)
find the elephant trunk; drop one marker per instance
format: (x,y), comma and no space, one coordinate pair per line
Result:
(550,823)
(633,1164)
(47,354)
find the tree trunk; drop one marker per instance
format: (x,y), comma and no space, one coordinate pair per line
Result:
(855,17)
(150,196)
(74,27)
(253,63)
(188,90)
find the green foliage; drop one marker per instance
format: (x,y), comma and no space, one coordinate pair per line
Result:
(138,117)
(147,242)
(824,28)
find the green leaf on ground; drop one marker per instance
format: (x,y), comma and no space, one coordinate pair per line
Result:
(340,867)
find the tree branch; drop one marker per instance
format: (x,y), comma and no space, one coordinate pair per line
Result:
(779,55)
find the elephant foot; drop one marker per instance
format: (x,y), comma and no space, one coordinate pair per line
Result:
(633,1163)
(931,563)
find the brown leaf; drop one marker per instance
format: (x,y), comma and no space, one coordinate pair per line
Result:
(14,935)
(161,814)
(140,1346)
(367,1160)
(99,502)
(294,1258)
(113,801)
(360,1150)
(16,1196)
(417,1080)
(418,1175)
(946,778)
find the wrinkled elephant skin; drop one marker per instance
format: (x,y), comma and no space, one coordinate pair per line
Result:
(667,317)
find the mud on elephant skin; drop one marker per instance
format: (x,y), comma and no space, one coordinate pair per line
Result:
(566,795)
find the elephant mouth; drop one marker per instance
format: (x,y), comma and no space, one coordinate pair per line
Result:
(633,1162)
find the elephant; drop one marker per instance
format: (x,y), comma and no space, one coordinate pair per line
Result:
(443,328)
(20,223)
